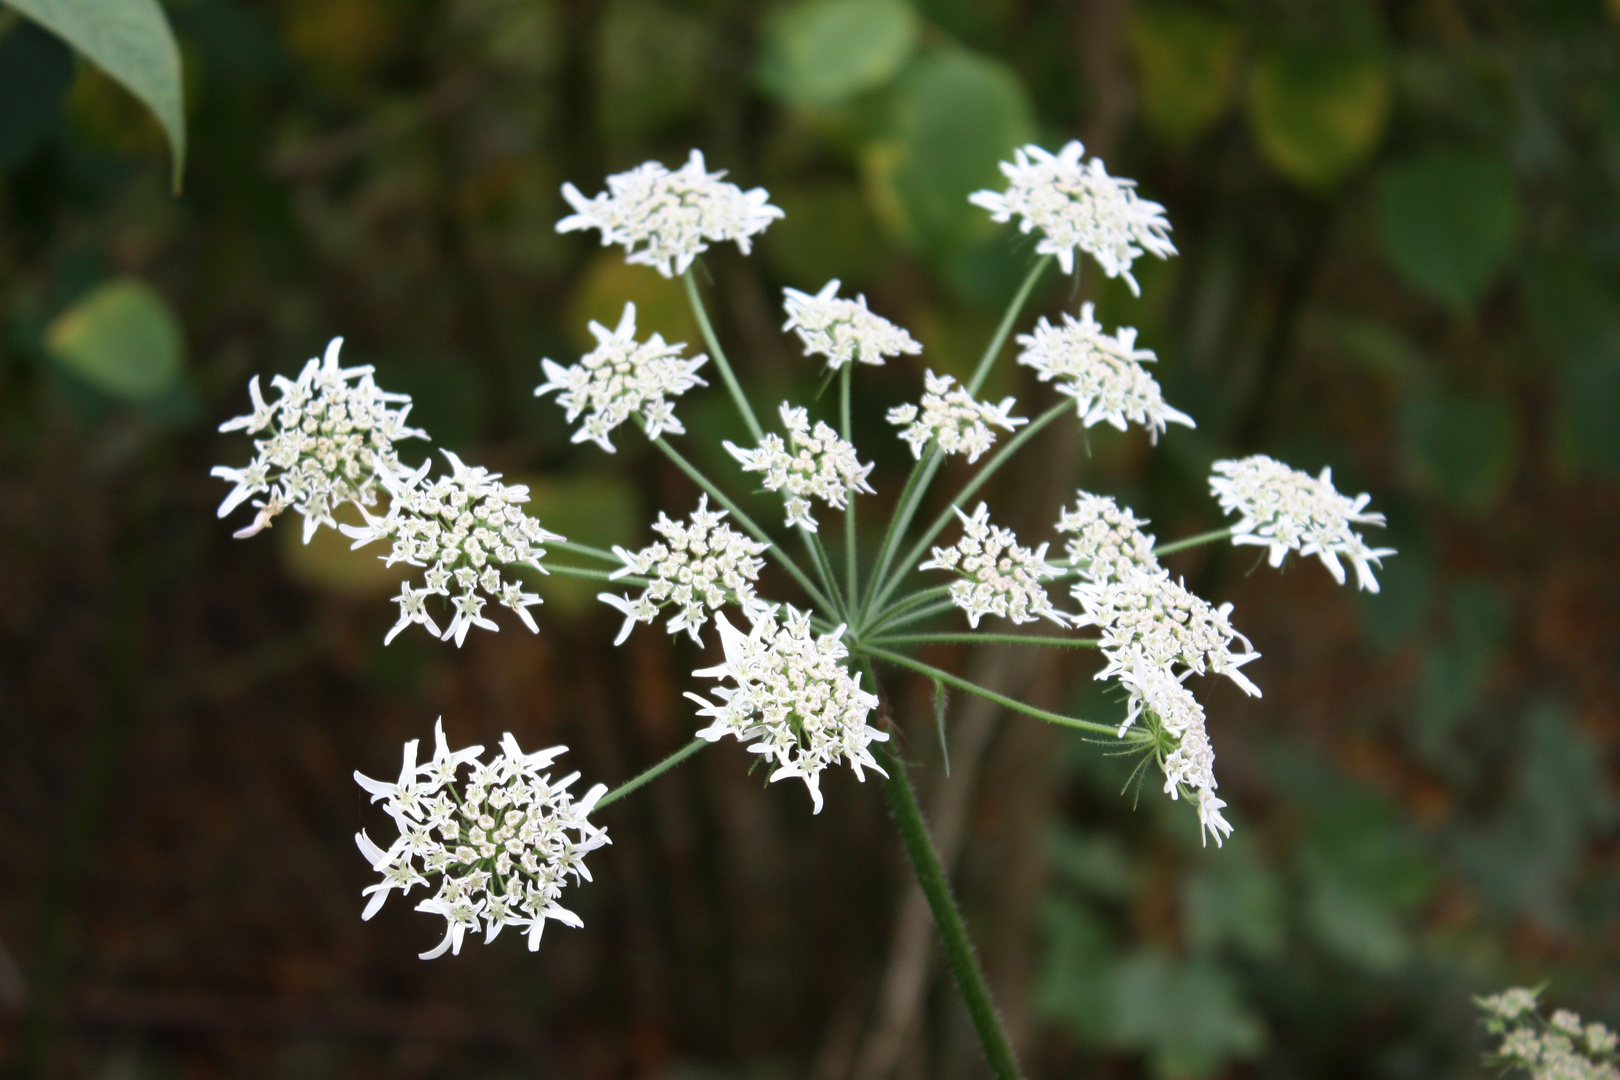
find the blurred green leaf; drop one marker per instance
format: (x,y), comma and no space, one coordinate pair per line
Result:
(131,41)
(1460,664)
(35,72)
(649,64)
(122,338)
(1448,221)
(1463,444)
(1074,986)
(1187,1014)
(1316,112)
(827,232)
(1096,862)
(1233,900)
(1589,405)
(1186,61)
(821,53)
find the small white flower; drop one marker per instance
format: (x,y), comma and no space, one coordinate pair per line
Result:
(503,842)
(996,575)
(843,330)
(326,438)
(792,699)
(1189,768)
(1106,543)
(621,378)
(698,567)
(666,219)
(1077,204)
(462,529)
(1102,372)
(1285,510)
(810,464)
(951,417)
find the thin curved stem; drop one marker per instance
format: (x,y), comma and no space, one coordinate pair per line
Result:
(649,775)
(719,356)
(824,571)
(913,616)
(989,695)
(584,549)
(593,575)
(993,350)
(1193,541)
(922,474)
(976,638)
(852,595)
(907,602)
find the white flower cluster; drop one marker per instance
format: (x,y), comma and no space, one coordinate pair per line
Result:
(699,567)
(843,330)
(952,418)
(326,439)
(1561,1047)
(503,843)
(793,700)
(1190,766)
(820,465)
(1105,542)
(1102,372)
(997,576)
(1285,510)
(621,378)
(1077,205)
(462,528)
(666,219)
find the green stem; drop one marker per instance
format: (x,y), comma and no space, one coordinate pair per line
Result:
(649,775)
(593,575)
(851,569)
(906,603)
(976,638)
(989,695)
(922,474)
(824,570)
(982,372)
(585,549)
(718,355)
(879,629)
(1193,541)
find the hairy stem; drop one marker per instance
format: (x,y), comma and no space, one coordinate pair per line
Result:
(594,575)
(824,571)
(906,603)
(647,776)
(905,618)
(1193,541)
(852,595)
(989,695)
(584,549)
(719,356)
(993,350)
(975,638)
(922,474)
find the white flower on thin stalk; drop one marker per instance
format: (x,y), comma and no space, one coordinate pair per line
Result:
(950,417)
(1102,372)
(995,574)
(464,530)
(1076,205)
(1561,1047)
(503,842)
(1105,542)
(1284,509)
(666,219)
(843,330)
(699,566)
(791,699)
(323,441)
(811,463)
(621,378)
(1189,767)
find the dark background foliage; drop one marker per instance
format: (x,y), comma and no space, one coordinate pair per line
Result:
(1400,256)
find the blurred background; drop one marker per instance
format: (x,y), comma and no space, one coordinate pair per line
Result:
(1399,227)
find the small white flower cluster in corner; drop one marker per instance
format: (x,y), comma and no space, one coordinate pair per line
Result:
(1189,768)
(792,699)
(996,575)
(819,465)
(503,843)
(1561,1047)
(1077,206)
(1102,372)
(843,330)
(326,440)
(462,528)
(699,567)
(950,417)
(1105,543)
(621,378)
(666,219)
(1284,509)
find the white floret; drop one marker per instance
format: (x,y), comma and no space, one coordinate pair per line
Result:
(953,419)
(995,574)
(843,330)
(813,463)
(1105,542)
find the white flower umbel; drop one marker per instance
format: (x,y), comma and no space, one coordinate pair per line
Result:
(1077,205)
(621,378)
(700,566)
(791,699)
(950,417)
(1105,542)
(462,529)
(666,219)
(1102,372)
(1284,509)
(843,330)
(1189,766)
(812,463)
(503,842)
(1560,1047)
(996,575)
(322,442)
(1149,616)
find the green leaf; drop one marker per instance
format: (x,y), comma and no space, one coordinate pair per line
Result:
(1317,113)
(1448,221)
(1188,1015)
(131,41)
(1464,445)
(1186,62)
(35,72)
(122,338)
(1233,900)
(821,53)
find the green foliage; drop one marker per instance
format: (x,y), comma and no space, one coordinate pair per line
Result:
(1462,444)
(1187,62)
(649,67)
(123,339)
(35,72)
(1317,112)
(1448,221)
(822,53)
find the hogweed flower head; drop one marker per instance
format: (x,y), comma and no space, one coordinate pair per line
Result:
(1105,542)
(1284,509)
(700,565)
(323,442)
(843,330)
(666,219)
(791,699)
(950,417)
(621,378)
(463,530)
(1189,767)
(502,842)
(1561,1047)
(1102,372)
(995,574)
(811,463)
(1076,205)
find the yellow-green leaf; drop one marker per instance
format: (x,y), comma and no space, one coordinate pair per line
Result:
(1317,113)
(824,52)
(122,338)
(1186,62)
